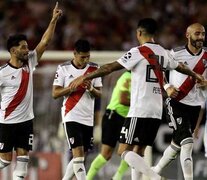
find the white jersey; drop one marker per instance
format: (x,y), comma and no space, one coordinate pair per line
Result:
(189,94)
(16,89)
(146,63)
(79,105)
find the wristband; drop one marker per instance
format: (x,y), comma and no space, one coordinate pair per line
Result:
(166,86)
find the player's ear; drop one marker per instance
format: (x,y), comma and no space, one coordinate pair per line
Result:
(75,53)
(12,50)
(187,35)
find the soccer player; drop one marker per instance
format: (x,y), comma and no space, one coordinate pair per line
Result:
(78,106)
(16,88)
(188,99)
(112,122)
(147,63)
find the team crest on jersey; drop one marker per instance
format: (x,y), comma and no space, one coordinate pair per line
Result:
(205,62)
(179,120)
(1,146)
(72,140)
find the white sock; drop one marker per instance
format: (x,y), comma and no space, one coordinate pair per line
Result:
(135,175)
(79,168)
(168,156)
(138,163)
(20,170)
(4,163)
(69,173)
(187,161)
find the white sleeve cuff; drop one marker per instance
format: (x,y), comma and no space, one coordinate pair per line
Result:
(166,86)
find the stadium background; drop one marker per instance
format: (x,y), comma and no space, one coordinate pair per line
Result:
(110,26)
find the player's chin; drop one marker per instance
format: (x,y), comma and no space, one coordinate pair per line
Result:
(199,44)
(25,59)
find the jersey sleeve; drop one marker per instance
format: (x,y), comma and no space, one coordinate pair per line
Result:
(172,64)
(97,82)
(59,77)
(33,59)
(130,59)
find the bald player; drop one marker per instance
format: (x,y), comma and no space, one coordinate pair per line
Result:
(185,108)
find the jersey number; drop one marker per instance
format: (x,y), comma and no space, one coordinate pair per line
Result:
(31,138)
(151,68)
(124,131)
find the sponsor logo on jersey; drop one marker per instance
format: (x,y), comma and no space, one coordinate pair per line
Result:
(71,140)
(71,76)
(80,170)
(1,146)
(13,77)
(185,63)
(126,57)
(136,139)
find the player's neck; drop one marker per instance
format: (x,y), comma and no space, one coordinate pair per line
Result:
(147,40)
(15,62)
(194,50)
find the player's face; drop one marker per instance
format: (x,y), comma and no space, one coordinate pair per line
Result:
(197,37)
(22,51)
(81,58)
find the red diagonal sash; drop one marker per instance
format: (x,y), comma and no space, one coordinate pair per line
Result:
(149,54)
(74,97)
(189,83)
(19,96)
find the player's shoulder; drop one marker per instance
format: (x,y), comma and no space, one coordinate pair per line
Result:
(66,63)
(179,48)
(205,49)
(3,67)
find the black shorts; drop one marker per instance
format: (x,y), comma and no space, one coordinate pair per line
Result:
(182,118)
(19,135)
(79,135)
(111,127)
(139,131)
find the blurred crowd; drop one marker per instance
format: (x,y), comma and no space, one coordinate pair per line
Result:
(108,24)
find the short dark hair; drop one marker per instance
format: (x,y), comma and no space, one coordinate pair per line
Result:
(82,45)
(14,40)
(149,25)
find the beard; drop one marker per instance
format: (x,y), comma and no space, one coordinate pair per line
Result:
(196,43)
(23,58)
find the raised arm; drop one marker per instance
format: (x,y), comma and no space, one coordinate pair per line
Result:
(48,35)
